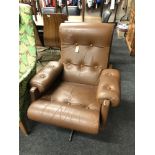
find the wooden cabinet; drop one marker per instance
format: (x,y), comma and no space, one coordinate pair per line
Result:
(130,37)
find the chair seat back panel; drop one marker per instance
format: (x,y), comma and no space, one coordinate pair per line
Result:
(86,65)
(87,55)
(81,74)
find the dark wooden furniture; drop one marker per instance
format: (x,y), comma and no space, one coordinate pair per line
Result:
(51,29)
(130,37)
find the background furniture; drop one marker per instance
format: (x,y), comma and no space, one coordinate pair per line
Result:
(51,29)
(130,37)
(77,92)
(27,60)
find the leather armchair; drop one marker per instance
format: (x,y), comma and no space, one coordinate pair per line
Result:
(77,92)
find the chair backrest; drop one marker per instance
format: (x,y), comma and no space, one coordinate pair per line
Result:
(51,29)
(85,50)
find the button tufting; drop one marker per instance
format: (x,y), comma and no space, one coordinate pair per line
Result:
(69,103)
(42,76)
(95,67)
(67,62)
(81,65)
(109,74)
(91,45)
(76,44)
(108,87)
(87,107)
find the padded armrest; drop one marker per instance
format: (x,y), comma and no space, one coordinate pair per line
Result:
(44,78)
(109,87)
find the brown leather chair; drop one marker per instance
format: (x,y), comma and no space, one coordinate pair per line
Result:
(77,92)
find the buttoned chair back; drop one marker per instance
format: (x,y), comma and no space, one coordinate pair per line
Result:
(85,50)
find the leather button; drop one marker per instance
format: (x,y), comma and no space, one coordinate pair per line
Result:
(95,67)
(81,65)
(76,44)
(68,62)
(108,87)
(91,45)
(69,103)
(42,76)
(87,107)
(109,74)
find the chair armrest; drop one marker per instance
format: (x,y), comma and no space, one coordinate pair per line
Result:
(45,77)
(109,87)
(34,93)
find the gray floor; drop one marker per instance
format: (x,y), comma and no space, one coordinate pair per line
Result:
(117,139)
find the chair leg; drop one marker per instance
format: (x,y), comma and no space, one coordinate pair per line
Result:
(104,111)
(23,128)
(71,135)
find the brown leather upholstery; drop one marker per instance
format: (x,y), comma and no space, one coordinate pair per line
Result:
(94,41)
(70,108)
(46,76)
(109,86)
(75,92)
(51,29)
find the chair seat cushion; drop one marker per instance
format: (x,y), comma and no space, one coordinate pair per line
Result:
(69,105)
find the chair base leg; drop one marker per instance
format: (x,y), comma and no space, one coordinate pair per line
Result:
(71,135)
